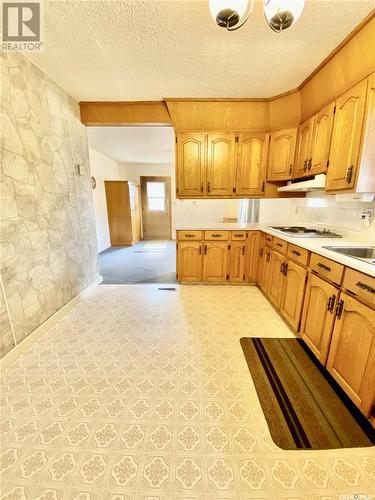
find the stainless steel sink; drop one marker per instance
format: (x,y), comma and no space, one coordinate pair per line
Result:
(367,254)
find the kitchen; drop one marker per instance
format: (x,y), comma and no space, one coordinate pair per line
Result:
(252,373)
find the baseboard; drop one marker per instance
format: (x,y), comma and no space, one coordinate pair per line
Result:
(44,327)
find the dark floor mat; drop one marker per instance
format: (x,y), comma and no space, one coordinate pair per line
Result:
(303,406)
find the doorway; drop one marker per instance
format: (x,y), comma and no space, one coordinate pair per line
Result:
(156,207)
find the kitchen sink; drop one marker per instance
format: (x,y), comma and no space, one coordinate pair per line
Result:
(367,254)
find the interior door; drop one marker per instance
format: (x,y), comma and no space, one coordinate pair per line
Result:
(156,208)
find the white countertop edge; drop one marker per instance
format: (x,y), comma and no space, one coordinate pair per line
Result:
(313,244)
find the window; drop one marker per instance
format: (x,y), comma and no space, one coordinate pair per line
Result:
(156,196)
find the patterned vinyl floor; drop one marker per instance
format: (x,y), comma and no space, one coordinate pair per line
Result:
(145,394)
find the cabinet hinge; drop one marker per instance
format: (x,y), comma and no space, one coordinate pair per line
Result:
(227,276)
(237,138)
(243,277)
(176,246)
(334,109)
(176,190)
(263,186)
(327,163)
(234,189)
(228,247)
(176,139)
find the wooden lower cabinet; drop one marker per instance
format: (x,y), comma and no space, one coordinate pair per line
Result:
(351,359)
(276,279)
(293,293)
(252,256)
(215,261)
(318,316)
(189,261)
(237,261)
(264,269)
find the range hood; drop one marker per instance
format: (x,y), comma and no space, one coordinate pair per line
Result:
(316,183)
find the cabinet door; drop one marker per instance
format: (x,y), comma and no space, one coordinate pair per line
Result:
(346,138)
(189,261)
(237,257)
(303,153)
(220,164)
(276,279)
(215,262)
(318,316)
(366,177)
(281,157)
(252,256)
(321,140)
(351,359)
(293,293)
(251,163)
(191,164)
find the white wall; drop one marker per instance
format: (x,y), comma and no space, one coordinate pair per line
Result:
(322,209)
(102,168)
(183,211)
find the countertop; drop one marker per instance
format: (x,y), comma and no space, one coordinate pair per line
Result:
(313,244)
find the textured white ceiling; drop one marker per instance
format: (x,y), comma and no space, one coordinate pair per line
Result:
(151,49)
(134,144)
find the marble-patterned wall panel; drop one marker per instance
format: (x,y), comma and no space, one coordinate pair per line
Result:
(6,335)
(49,249)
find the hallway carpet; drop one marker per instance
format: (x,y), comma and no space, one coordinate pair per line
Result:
(143,394)
(130,265)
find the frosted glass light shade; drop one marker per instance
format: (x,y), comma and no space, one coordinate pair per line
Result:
(281,14)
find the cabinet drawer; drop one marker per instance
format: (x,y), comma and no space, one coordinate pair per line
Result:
(238,235)
(279,245)
(268,240)
(189,235)
(216,235)
(327,268)
(360,284)
(298,254)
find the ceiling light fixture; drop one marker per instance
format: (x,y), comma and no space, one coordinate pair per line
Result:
(230,14)
(233,14)
(281,14)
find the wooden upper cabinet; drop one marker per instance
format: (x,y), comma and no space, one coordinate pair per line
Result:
(346,138)
(191,164)
(252,156)
(221,164)
(281,155)
(366,175)
(321,140)
(237,259)
(215,261)
(293,293)
(351,359)
(303,152)
(189,261)
(318,316)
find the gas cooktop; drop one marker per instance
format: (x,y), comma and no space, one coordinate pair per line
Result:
(305,232)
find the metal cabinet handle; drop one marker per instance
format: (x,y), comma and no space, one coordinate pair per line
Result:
(309,164)
(187,235)
(216,235)
(268,255)
(290,169)
(323,266)
(202,187)
(205,249)
(349,174)
(279,244)
(243,250)
(296,253)
(200,249)
(331,303)
(261,252)
(208,187)
(305,165)
(339,308)
(365,287)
